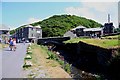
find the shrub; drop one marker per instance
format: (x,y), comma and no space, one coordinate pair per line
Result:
(61,62)
(67,68)
(52,55)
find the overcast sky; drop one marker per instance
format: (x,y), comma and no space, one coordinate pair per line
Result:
(15,14)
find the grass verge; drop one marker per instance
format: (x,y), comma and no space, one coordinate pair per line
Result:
(40,61)
(105,43)
(53,56)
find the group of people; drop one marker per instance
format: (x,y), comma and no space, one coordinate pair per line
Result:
(12,44)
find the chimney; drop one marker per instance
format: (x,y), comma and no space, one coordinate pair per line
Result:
(108,18)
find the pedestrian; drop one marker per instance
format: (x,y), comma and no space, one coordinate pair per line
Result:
(9,40)
(11,44)
(14,44)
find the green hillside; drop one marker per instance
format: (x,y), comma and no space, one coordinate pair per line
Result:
(57,25)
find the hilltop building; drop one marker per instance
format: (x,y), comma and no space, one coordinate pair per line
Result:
(93,32)
(79,30)
(28,32)
(82,31)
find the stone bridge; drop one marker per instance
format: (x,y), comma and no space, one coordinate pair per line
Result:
(52,40)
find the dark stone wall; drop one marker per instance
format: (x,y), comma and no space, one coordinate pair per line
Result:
(94,57)
(91,58)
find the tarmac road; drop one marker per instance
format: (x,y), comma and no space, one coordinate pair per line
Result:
(12,61)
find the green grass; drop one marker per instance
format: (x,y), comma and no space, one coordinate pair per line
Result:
(74,40)
(105,43)
(53,56)
(111,37)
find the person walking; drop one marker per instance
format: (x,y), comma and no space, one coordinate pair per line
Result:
(14,44)
(11,44)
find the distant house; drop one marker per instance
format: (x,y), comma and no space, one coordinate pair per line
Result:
(82,31)
(75,32)
(4,33)
(70,34)
(93,32)
(79,30)
(29,33)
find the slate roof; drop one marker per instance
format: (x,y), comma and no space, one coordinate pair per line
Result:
(82,27)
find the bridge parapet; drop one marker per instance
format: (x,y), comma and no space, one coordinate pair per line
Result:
(52,40)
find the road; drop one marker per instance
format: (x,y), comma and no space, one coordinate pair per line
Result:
(0,63)
(12,61)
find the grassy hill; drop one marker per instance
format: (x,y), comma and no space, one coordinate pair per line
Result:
(57,25)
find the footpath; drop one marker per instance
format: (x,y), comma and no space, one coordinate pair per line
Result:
(12,61)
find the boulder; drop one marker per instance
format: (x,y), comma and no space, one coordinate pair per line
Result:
(27,64)
(28,57)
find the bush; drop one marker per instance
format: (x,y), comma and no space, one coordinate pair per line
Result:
(61,62)
(52,55)
(67,68)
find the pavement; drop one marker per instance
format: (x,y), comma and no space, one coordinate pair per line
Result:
(12,61)
(0,64)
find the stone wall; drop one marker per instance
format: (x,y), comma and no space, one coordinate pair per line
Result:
(89,57)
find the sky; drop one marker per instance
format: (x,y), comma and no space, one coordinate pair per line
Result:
(119,12)
(15,14)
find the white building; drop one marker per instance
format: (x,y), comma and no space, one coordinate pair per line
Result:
(4,33)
